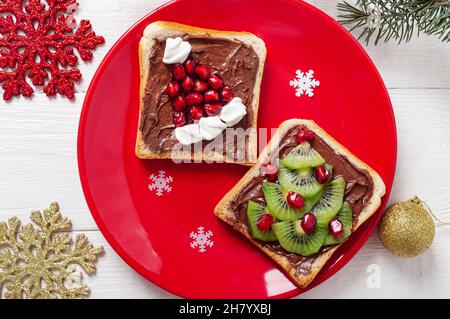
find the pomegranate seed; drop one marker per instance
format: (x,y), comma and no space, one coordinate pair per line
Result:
(213,109)
(202,71)
(190,66)
(215,81)
(211,96)
(305,135)
(196,112)
(265,222)
(178,72)
(187,84)
(227,94)
(194,98)
(179,119)
(271,171)
(308,223)
(173,88)
(323,175)
(335,228)
(295,200)
(200,86)
(179,103)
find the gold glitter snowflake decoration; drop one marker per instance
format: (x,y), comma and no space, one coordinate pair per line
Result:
(44,262)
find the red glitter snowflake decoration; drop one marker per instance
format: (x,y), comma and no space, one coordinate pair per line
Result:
(37,40)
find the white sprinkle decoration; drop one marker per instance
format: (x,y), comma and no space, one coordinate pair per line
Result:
(304,83)
(201,239)
(160,183)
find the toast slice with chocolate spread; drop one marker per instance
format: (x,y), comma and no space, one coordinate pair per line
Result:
(188,103)
(299,209)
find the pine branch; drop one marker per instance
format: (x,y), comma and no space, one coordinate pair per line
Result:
(397,19)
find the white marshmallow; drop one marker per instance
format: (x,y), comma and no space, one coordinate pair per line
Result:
(233,112)
(211,127)
(176,51)
(188,134)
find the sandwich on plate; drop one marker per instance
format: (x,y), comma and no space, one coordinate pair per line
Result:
(199,87)
(304,197)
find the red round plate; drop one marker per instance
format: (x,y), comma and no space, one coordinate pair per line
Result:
(165,238)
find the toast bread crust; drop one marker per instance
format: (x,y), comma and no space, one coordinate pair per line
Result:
(165,29)
(223,211)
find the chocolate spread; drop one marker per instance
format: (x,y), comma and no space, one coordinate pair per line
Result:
(359,189)
(237,64)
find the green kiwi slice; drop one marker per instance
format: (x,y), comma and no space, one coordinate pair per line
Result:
(302,156)
(300,180)
(254,212)
(331,201)
(293,239)
(312,201)
(277,205)
(345,216)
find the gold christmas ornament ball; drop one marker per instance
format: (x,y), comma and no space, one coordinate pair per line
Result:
(407,229)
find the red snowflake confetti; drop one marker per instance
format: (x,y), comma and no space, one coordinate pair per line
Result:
(37,40)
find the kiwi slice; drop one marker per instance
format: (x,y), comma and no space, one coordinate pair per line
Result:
(345,216)
(293,239)
(302,156)
(277,205)
(331,201)
(312,201)
(254,213)
(300,180)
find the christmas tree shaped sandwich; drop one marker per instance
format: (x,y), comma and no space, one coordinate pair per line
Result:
(198,87)
(304,197)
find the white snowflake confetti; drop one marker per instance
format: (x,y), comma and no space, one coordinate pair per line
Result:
(160,183)
(201,239)
(304,83)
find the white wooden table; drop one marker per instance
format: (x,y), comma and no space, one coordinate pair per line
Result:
(38,163)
